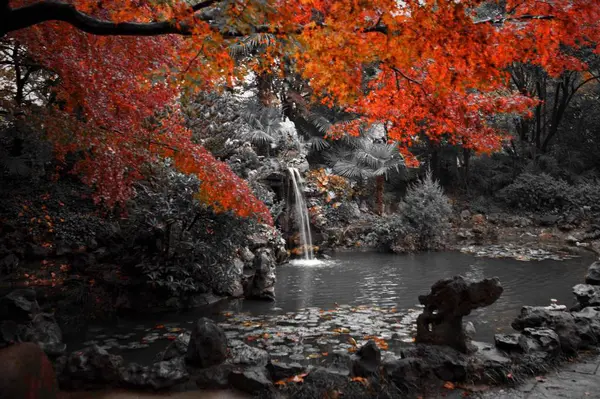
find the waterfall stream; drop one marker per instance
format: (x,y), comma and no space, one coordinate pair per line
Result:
(302,214)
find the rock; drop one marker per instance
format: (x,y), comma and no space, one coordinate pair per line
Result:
(176,348)
(233,287)
(561,322)
(508,342)
(470,330)
(215,377)
(408,374)
(261,283)
(593,275)
(91,366)
(246,255)
(322,377)
(208,344)
(249,356)
(281,371)
(253,381)
(19,305)
(465,215)
(543,340)
(160,375)
(488,364)
(44,331)
(445,306)
(571,240)
(446,363)
(26,373)
(588,324)
(587,295)
(368,360)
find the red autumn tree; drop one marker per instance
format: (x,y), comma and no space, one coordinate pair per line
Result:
(440,68)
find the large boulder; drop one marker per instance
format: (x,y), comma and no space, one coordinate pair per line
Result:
(448,302)
(588,324)
(560,321)
(259,280)
(91,367)
(408,374)
(208,344)
(44,331)
(26,373)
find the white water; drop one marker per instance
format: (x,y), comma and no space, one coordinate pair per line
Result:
(302,217)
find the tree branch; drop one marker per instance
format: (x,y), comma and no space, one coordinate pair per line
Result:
(524,17)
(23,17)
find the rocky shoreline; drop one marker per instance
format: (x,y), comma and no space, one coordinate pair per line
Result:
(242,353)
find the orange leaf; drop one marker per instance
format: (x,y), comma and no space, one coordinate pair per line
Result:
(449,385)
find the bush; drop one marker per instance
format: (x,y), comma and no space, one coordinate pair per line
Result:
(421,222)
(537,192)
(426,210)
(175,241)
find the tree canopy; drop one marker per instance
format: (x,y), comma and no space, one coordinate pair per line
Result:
(438,69)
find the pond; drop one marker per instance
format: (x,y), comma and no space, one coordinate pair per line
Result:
(320,308)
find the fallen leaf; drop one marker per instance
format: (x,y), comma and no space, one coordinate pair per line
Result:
(449,385)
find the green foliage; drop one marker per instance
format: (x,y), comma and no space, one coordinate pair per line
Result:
(537,192)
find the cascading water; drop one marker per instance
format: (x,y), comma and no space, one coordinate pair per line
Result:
(302,215)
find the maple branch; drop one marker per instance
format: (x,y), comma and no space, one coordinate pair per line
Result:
(13,19)
(524,17)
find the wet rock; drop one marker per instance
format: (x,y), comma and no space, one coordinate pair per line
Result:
(408,374)
(281,371)
(160,375)
(445,306)
(253,381)
(593,274)
(18,305)
(91,367)
(488,364)
(586,295)
(26,373)
(208,344)
(368,360)
(260,281)
(508,342)
(215,377)
(249,356)
(561,322)
(541,340)
(322,377)
(547,220)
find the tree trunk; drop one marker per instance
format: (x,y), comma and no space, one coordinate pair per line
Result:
(379,186)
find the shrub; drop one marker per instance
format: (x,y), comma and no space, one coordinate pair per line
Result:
(421,222)
(425,210)
(537,192)
(175,241)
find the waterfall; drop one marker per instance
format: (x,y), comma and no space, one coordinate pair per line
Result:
(302,214)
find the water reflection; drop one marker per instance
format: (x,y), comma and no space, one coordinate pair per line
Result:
(391,280)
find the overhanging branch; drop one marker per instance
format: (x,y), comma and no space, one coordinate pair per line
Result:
(13,19)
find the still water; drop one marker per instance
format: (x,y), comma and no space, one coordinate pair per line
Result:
(361,294)
(397,280)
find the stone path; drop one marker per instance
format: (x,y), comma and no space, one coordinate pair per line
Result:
(577,380)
